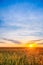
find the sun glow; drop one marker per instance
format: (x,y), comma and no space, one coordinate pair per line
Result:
(30,45)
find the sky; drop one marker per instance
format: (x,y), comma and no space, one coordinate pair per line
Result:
(21,20)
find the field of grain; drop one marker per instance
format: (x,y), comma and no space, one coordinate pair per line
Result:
(21,56)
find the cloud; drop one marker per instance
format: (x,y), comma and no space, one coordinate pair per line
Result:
(39,41)
(13,41)
(2,42)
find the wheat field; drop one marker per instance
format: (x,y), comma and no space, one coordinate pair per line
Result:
(21,56)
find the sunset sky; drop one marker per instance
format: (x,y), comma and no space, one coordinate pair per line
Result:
(20,21)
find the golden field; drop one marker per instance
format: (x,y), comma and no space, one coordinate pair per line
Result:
(21,56)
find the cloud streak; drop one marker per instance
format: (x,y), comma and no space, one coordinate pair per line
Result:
(2,42)
(13,41)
